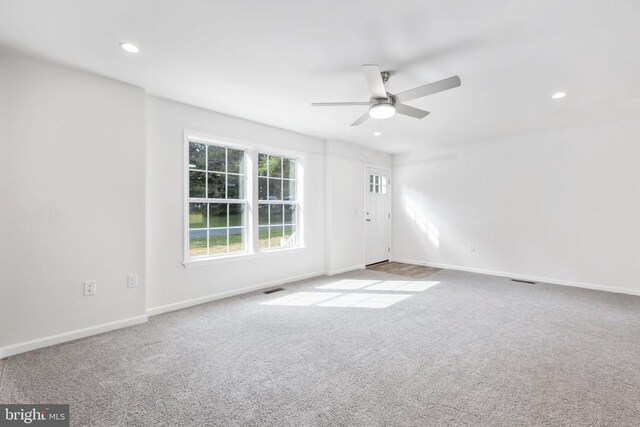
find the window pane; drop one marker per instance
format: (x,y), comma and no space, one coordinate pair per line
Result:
(197,155)
(263,215)
(197,184)
(276,236)
(262,189)
(370,179)
(263,166)
(235,187)
(217,160)
(275,166)
(289,168)
(235,161)
(289,214)
(236,215)
(216,186)
(236,239)
(218,240)
(290,235)
(217,215)
(275,189)
(288,190)
(263,237)
(197,242)
(275,215)
(197,215)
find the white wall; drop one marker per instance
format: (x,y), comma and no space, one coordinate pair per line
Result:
(561,205)
(345,191)
(171,285)
(72,191)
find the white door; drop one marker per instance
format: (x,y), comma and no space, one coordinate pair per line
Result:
(377,215)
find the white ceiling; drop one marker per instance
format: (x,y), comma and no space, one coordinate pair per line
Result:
(267,60)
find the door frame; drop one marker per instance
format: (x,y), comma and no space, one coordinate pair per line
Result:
(364,208)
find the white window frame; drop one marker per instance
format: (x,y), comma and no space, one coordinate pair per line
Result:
(250,200)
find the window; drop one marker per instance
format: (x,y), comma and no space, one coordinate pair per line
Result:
(277,205)
(227,213)
(216,200)
(377,184)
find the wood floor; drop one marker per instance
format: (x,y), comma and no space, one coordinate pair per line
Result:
(409,270)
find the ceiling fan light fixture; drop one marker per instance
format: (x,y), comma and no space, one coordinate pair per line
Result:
(382,111)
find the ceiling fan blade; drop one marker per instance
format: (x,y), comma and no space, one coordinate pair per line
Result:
(410,111)
(362,118)
(428,89)
(336,104)
(374,81)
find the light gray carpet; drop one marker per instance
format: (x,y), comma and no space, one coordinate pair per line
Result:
(471,350)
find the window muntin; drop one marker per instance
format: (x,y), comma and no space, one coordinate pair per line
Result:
(217,213)
(377,184)
(277,202)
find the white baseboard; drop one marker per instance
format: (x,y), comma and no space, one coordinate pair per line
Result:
(518,276)
(25,346)
(344,270)
(226,294)
(106,327)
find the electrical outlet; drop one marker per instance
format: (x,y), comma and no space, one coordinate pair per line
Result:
(89,288)
(132,281)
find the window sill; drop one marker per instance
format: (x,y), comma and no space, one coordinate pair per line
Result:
(244,256)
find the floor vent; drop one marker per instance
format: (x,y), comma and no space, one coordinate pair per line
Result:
(523,281)
(271,291)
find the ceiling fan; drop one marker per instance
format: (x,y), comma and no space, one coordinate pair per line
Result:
(383,104)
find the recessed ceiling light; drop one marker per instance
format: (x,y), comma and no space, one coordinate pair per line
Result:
(558,95)
(129,47)
(377,133)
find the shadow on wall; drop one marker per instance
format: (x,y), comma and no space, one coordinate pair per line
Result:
(422,222)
